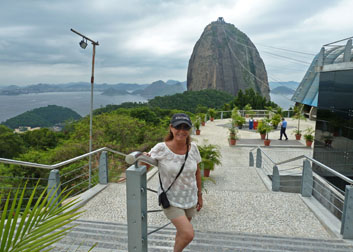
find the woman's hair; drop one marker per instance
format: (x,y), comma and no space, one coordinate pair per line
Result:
(170,137)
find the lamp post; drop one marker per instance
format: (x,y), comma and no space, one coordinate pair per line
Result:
(83,45)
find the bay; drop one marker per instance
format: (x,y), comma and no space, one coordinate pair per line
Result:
(11,106)
(284,101)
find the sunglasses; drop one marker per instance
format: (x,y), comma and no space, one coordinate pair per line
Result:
(182,127)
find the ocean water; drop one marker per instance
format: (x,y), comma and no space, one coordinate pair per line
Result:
(282,100)
(11,106)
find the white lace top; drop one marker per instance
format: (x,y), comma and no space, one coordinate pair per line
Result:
(183,193)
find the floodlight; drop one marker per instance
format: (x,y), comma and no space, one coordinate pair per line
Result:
(83,44)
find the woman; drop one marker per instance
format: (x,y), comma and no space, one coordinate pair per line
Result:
(184,195)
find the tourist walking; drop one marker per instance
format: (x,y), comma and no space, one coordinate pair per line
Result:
(283,129)
(179,191)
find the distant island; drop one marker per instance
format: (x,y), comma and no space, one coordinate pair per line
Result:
(157,88)
(42,117)
(283,90)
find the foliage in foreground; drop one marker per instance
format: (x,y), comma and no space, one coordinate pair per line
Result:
(39,226)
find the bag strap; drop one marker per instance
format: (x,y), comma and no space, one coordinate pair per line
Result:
(181,169)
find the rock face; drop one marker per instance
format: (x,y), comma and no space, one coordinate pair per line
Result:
(225,59)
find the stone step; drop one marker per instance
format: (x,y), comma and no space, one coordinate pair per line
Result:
(113,237)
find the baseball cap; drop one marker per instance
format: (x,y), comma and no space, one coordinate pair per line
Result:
(180,118)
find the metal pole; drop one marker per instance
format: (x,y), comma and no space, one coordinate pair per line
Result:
(91,109)
(91,115)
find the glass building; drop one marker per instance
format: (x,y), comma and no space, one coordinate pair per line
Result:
(327,90)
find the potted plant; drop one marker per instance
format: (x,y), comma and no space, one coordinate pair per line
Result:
(240,121)
(267,127)
(235,113)
(275,120)
(197,125)
(233,135)
(308,136)
(298,134)
(298,114)
(212,113)
(211,156)
(202,118)
(247,110)
(261,129)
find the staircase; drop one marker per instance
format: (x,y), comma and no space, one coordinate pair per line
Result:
(113,237)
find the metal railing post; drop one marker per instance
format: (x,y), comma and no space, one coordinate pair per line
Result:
(276,183)
(222,115)
(258,158)
(347,216)
(307,179)
(103,168)
(251,159)
(54,185)
(136,198)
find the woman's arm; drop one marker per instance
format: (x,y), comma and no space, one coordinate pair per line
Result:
(199,188)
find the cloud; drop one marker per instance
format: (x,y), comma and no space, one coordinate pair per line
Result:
(143,41)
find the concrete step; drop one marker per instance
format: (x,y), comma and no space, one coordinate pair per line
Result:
(113,237)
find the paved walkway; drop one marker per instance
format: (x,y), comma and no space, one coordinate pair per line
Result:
(238,201)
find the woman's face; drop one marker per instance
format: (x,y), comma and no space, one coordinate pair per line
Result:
(180,132)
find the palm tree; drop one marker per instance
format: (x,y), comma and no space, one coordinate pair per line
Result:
(39,225)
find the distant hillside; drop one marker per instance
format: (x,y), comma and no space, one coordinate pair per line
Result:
(283,90)
(289,84)
(160,88)
(113,91)
(42,117)
(146,90)
(67,87)
(189,100)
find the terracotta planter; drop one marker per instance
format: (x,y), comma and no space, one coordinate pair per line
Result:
(267,142)
(232,141)
(212,119)
(203,123)
(298,136)
(309,143)
(263,136)
(206,173)
(198,132)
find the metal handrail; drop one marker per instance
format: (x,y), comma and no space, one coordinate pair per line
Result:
(137,157)
(58,165)
(348,180)
(267,155)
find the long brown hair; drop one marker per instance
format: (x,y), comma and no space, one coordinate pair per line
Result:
(169,137)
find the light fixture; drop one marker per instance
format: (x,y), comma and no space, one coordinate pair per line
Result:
(83,44)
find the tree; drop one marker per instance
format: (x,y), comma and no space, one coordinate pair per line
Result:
(11,144)
(36,227)
(41,139)
(255,100)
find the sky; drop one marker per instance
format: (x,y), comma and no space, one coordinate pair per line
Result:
(141,41)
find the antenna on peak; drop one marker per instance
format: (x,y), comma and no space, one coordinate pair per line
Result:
(221,20)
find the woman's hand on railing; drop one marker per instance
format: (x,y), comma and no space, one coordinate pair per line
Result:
(143,163)
(141,158)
